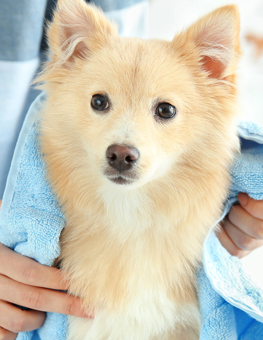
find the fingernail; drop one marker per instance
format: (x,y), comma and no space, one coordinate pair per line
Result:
(243,198)
(88,314)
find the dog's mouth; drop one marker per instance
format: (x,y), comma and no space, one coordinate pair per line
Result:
(121,178)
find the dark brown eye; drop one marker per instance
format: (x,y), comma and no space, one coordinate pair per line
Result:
(100,102)
(165,110)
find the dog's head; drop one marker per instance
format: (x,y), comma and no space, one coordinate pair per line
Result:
(134,110)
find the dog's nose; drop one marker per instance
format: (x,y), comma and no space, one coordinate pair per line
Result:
(122,157)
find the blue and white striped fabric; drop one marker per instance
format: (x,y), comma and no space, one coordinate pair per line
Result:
(21,23)
(231,301)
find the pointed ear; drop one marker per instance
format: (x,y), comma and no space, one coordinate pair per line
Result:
(216,37)
(77,30)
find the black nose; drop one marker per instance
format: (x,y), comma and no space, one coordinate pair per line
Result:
(122,157)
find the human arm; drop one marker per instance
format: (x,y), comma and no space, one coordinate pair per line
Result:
(242,229)
(25,282)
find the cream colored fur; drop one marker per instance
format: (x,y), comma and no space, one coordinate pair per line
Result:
(131,251)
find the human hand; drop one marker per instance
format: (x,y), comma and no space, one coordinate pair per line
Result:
(27,283)
(242,229)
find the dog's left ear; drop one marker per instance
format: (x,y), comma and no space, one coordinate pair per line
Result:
(77,30)
(216,39)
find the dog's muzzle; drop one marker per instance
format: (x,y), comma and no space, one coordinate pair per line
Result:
(121,159)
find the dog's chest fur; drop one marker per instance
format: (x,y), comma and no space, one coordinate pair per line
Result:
(135,265)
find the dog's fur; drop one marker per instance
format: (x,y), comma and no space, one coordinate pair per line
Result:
(131,250)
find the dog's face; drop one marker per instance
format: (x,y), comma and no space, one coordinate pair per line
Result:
(137,109)
(135,113)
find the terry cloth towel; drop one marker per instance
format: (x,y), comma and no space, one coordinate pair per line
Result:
(31,221)
(231,301)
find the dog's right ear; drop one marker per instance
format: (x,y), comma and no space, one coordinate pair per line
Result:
(77,30)
(216,39)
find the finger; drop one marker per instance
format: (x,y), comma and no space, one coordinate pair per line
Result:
(39,298)
(7,335)
(228,244)
(16,320)
(23,269)
(249,224)
(253,207)
(241,239)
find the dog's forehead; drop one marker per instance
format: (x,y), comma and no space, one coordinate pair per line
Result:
(137,66)
(147,63)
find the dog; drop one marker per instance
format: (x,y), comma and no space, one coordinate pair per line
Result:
(137,137)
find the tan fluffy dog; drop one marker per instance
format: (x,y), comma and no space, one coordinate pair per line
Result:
(138,137)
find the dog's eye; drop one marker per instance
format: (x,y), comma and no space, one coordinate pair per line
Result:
(166,110)
(100,102)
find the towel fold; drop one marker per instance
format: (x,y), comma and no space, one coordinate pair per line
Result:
(31,221)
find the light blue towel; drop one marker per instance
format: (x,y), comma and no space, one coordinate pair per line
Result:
(231,301)
(31,221)
(30,218)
